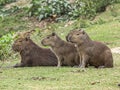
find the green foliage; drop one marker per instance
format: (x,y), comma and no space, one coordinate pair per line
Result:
(100,5)
(5,46)
(14,22)
(62,9)
(83,8)
(5,12)
(3,2)
(49,8)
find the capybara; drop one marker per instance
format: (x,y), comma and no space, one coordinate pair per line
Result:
(93,53)
(65,51)
(31,54)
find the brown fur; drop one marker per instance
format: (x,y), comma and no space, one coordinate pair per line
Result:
(32,54)
(93,53)
(65,51)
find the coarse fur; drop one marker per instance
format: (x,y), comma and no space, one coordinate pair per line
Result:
(31,54)
(65,51)
(93,53)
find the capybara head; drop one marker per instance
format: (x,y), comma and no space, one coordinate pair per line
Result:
(22,41)
(50,40)
(77,36)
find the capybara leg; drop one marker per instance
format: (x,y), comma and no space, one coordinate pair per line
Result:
(59,62)
(108,59)
(85,59)
(76,66)
(80,58)
(109,63)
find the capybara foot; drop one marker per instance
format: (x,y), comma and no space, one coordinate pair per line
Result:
(83,69)
(76,66)
(58,66)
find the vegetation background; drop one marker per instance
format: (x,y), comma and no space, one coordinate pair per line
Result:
(100,19)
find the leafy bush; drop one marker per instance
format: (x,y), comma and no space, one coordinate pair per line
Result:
(3,2)
(5,12)
(5,46)
(83,8)
(61,9)
(49,8)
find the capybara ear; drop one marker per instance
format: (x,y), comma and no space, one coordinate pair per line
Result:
(28,33)
(53,34)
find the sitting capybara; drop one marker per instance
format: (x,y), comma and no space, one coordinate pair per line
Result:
(65,51)
(93,53)
(32,54)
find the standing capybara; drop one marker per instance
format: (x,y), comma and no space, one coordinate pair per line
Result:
(65,51)
(32,54)
(93,53)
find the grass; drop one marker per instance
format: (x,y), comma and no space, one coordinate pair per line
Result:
(64,78)
(15,22)
(105,28)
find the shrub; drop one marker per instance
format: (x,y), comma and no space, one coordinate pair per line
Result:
(49,8)
(5,12)
(3,2)
(60,10)
(63,9)
(83,9)
(5,46)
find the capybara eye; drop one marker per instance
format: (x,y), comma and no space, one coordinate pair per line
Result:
(78,34)
(20,41)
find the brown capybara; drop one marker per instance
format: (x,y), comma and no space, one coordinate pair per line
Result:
(93,53)
(65,51)
(31,54)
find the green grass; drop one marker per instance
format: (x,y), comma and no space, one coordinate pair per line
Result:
(105,28)
(64,78)
(108,33)
(15,22)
